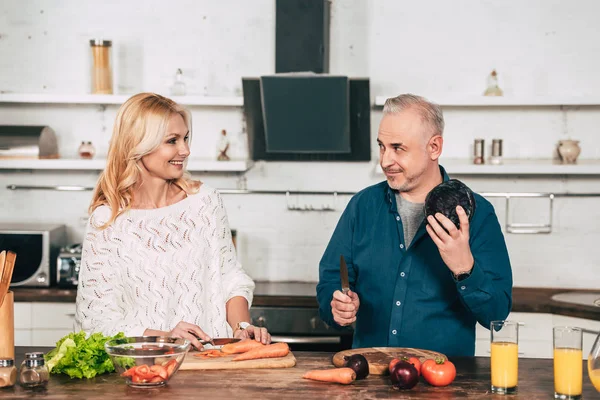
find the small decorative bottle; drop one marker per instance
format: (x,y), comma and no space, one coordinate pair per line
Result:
(87,150)
(492,85)
(33,373)
(178,88)
(8,372)
(223,147)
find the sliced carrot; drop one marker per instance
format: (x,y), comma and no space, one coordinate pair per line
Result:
(241,347)
(336,375)
(268,351)
(209,354)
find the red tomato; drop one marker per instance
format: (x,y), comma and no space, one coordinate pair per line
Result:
(129,372)
(159,371)
(171,367)
(143,371)
(156,379)
(414,361)
(138,379)
(438,372)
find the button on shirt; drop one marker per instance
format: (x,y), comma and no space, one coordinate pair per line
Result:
(408,297)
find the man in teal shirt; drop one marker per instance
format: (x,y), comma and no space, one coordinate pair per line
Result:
(412,283)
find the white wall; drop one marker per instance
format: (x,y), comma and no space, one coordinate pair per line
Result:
(430,47)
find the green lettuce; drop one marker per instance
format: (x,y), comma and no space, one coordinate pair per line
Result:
(81,357)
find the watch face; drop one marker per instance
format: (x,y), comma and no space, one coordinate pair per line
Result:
(463,276)
(244,325)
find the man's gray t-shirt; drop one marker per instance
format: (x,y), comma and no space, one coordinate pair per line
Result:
(412,214)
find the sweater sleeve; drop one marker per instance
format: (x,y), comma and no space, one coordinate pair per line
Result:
(235,280)
(98,307)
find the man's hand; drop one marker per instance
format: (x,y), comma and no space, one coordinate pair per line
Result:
(453,244)
(344,307)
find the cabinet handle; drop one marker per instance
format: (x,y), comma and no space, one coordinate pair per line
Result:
(71,315)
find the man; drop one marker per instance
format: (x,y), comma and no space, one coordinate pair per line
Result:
(412,282)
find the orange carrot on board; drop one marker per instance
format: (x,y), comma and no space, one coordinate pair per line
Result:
(210,354)
(241,347)
(335,375)
(268,351)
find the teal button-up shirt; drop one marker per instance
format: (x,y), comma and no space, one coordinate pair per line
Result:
(408,296)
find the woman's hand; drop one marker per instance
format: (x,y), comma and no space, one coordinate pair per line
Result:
(253,332)
(190,332)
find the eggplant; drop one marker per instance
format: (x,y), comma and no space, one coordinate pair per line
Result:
(446,196)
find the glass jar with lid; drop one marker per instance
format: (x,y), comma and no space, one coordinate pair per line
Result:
(8,372)
(101,66)
(33,372)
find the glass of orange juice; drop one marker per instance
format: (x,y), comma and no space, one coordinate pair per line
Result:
(568,362)
(504,359)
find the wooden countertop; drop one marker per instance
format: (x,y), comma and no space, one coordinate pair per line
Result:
(298,294)
(472,382)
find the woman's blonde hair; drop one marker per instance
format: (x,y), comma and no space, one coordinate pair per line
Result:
(140,128)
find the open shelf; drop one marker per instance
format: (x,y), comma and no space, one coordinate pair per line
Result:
(99,164)
(114,99)
(518,167)
(506,101)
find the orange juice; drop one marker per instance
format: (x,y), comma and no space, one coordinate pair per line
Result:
(594,375)
(568,371)
(505,364)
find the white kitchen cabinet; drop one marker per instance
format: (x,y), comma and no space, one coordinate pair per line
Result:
(42,324)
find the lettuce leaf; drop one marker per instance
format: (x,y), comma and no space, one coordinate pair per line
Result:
(81,357)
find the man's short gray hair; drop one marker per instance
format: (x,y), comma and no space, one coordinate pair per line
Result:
(431,113)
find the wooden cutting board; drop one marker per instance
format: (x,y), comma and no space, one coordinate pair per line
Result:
(380,357)
(194,363)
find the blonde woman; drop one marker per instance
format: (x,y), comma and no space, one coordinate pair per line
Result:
(158,258)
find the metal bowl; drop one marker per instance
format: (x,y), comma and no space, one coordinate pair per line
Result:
(147,361)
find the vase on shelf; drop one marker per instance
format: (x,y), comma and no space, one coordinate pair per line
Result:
(86,150)
(568,150)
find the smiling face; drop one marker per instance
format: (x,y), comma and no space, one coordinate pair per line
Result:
(166,162)
(408,150)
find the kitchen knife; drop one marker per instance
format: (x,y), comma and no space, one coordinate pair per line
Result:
(215,342)
(344,275)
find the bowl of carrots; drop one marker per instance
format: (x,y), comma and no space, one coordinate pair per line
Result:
(147,361)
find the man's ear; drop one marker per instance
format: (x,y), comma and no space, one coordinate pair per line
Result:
(434,147)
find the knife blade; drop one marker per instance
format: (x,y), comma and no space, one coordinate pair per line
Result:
(344,275)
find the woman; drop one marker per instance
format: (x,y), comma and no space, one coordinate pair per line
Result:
(158,259)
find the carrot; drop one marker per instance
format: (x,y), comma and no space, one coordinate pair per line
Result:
(336,375)
(241,347)
(207,354)
(268,351)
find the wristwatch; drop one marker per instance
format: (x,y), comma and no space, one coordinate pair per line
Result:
(461,276)
(241,326)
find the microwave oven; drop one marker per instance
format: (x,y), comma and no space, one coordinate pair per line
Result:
(37,247)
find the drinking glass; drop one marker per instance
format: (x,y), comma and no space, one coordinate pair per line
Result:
(568,362)
(504,359)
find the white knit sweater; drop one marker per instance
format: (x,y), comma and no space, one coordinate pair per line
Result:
(155,268)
